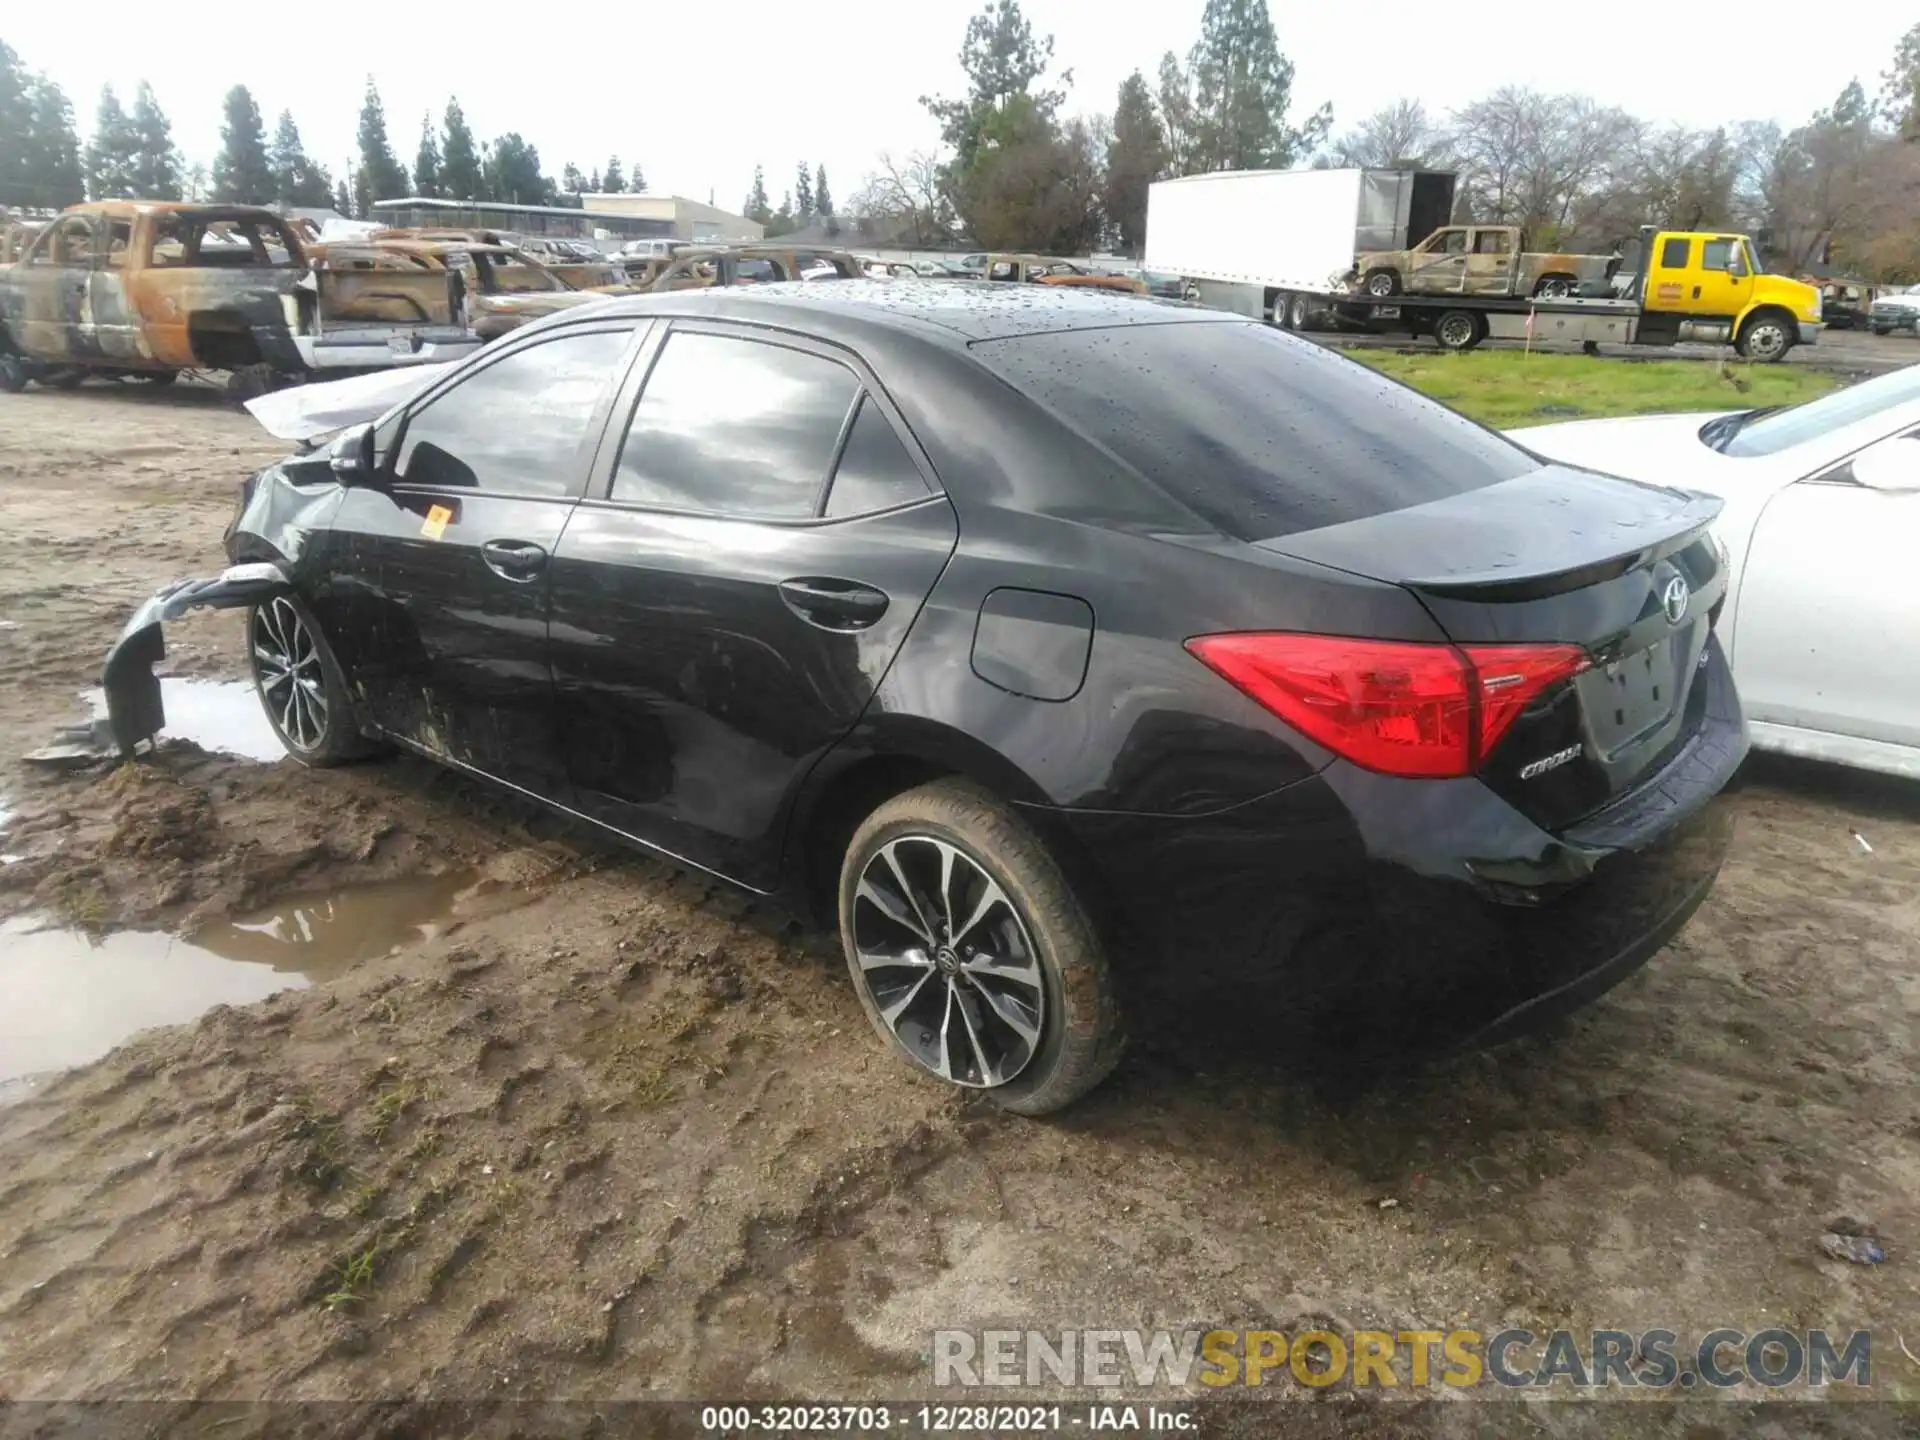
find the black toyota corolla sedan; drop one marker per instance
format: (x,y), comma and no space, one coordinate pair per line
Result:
(1032,636)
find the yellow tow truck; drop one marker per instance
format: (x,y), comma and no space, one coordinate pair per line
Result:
(1704,286)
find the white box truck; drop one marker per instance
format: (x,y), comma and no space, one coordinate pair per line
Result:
(1255,241)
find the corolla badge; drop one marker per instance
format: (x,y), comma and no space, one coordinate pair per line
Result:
(1674,599)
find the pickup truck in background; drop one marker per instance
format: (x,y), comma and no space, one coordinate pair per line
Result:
(1476,260)
(144,290)
(1895,310)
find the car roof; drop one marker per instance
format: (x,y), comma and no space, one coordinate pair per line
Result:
(961,312)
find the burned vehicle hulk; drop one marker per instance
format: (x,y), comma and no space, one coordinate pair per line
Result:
(145,290)
(1476,260)
(577,271)
(498,288)
(722,266)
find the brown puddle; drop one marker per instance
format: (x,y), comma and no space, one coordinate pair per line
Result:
(67,997)
(218,715)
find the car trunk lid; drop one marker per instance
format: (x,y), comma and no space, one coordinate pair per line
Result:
(1622,569)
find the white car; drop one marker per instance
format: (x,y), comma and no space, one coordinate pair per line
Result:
(1822,528)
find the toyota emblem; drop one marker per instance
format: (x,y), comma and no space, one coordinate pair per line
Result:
(1674,599)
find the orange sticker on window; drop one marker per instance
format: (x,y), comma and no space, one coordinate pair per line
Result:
(435,525)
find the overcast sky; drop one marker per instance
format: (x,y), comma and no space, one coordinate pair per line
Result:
(700,94)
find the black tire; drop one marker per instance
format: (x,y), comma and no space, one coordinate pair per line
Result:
(285,625)
(1299,312)
(1459,330)
(1881,329)
(67,377)
(1554,287)
(1040,943)
(249,382)
(13,374)
(1381,283)
(1767,337)
(1283,310)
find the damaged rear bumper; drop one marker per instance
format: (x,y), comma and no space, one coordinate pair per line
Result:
(134,709)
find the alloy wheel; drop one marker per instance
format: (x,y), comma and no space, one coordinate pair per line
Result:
(948,962)
(286,662)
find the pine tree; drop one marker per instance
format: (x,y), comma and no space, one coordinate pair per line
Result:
(822,197)
(571,180)
(1136,157)
(637,182)
(241,172)
(343,198)
(756,208)
(803,195)
(156,164)
(615,182)
(460,177)
(426,161)
(1243,87)
(379,176)
(16,110)
(53,177)
(110,153)
(513,172)
(593,184)
(296,179)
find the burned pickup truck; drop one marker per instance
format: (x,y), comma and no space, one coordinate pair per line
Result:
(133,289)
(1476,260)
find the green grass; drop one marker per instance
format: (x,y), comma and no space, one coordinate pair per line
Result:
(1506,388)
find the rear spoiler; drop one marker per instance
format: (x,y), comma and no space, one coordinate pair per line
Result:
(134,709)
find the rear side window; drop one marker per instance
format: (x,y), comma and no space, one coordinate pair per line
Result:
(734,427)
(875,471)
(1259,434)
(518,426)
(1673,254)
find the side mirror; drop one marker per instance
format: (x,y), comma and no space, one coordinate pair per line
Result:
(1891,466)
(350,456)
(1737,265)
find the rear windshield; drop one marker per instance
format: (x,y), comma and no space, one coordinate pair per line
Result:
(1260,434)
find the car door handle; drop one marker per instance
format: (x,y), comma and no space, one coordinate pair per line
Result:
(834,604)
(516,560)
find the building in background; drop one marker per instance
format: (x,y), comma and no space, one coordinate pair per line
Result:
(684,219)
(591,223)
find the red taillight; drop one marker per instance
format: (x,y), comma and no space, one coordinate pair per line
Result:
(1427,711)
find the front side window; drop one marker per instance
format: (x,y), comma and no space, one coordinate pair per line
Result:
(1715,254)
(731,426)
(519,426)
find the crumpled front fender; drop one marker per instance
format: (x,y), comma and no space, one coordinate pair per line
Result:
(134,708)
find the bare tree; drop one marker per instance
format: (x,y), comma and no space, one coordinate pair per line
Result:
(1400,136)
(906,200)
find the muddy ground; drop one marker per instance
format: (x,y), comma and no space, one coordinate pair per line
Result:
(613,1132)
